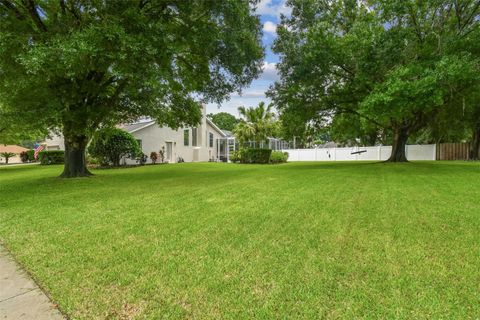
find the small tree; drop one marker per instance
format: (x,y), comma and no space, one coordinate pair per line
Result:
(7,155)
(153,157)
(161,154)
(257,124)
(111,144)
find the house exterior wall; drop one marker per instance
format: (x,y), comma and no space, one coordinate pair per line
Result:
(55,142)
(153,138)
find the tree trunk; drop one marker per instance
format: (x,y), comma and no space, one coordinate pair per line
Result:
(75,164)
(399,143)
(475,146)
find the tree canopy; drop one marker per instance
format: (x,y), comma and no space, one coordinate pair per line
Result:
(224,120)
(79,65)
(378,68)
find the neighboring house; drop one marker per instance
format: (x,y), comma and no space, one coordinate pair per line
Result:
(54,142)
(12,149)
(202,143)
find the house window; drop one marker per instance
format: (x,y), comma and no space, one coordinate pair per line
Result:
(194,137)
(210,139)
(139,143)
(186,137)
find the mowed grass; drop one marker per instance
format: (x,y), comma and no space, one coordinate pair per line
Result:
(226,241)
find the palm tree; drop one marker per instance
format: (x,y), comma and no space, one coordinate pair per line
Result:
(257,124)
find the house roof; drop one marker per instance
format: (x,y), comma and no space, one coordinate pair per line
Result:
(214,126)
(142,125)
(12,149)
(227,133)
(137,126)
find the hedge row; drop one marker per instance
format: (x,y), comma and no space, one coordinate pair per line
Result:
(52,157)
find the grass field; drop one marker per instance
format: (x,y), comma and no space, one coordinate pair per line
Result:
(204,241)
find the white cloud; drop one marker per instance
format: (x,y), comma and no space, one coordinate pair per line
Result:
(272,8)
(269,27)
(251,93)
(269,71)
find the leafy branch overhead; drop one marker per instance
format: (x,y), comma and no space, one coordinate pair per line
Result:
(79,65)
(388,68)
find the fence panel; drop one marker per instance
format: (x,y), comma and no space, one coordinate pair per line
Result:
(376,153)
(453,151)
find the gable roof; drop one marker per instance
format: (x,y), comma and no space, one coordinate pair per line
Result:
(137,126)
(134,127)
(214,126)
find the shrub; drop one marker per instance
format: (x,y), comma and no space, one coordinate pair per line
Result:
(24,156)
(51,157)
(91,160)
(153,157)
(161,154)
(278,157)
(109,145)
(235,156)
(252,155)
(31,155)
(142,158)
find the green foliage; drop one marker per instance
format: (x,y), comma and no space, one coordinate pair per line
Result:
(51,157)
(236,156)
(278,157)
(253,155)
(31,155)
(109,145)
(377,69)
(79,65)
(224,120)
(257,124)
(7,155)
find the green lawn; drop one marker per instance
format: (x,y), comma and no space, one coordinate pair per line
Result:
(225,241)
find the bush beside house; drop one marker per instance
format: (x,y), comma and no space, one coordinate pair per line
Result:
(51,157)
(253,155)
(110,145)
(278,157)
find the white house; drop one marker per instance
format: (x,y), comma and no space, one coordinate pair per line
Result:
(202,143)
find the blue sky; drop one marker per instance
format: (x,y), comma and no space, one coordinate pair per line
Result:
(269,11)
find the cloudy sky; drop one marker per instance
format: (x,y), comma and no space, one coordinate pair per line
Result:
(269,11)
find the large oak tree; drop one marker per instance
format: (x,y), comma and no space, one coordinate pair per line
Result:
(389,67)
(77,65)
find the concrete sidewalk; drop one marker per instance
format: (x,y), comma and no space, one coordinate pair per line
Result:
(20,297)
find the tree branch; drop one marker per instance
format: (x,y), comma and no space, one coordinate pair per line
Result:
(32,10)
(10,6)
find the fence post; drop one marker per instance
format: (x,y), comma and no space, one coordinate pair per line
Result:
(335,154)
(379,153)
(435,152)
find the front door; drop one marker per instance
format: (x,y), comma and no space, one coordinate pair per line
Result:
(168,156)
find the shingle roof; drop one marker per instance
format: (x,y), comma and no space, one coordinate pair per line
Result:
(12,149)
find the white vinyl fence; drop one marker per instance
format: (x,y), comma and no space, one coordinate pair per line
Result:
(414,152)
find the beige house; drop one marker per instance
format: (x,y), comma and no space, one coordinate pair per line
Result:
(202,143)
(12,149)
